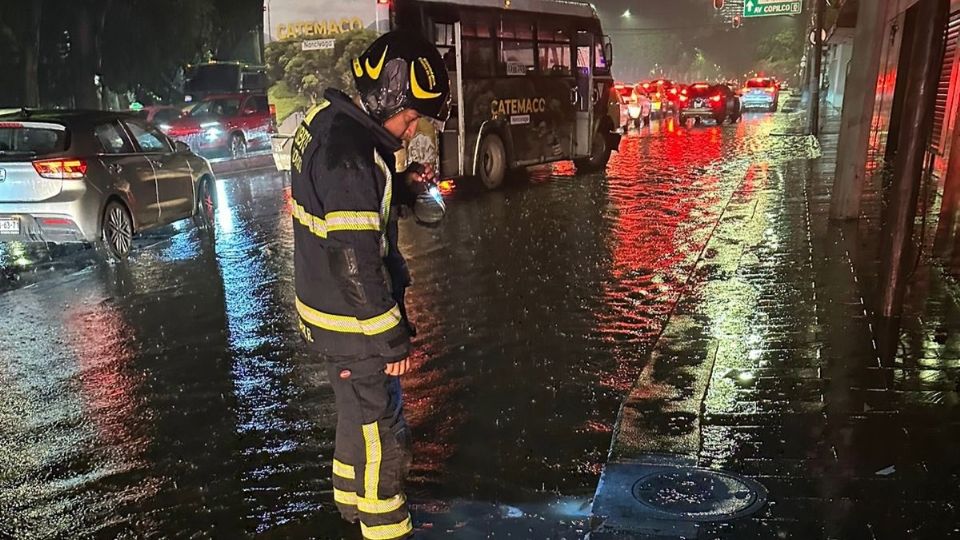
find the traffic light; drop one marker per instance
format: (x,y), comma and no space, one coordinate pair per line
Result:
(737,21)
(718,4)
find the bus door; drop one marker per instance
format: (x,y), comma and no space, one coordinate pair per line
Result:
(447,37)
(583,96)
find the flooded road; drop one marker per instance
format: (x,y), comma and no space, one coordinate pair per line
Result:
(170,396)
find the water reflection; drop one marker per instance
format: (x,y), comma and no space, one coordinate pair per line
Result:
(206,416)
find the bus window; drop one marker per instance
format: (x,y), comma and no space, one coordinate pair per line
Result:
(583,58)
(444,33)
(517,57)
(555,58)
(479,58)
(549,33)
(476,25)
(445,41)
(601,59)
(515,29)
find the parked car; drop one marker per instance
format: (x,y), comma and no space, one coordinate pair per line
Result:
(95,176)
(226,125)
(705,101)
(761,93)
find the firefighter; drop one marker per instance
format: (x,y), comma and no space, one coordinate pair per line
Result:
(349,273)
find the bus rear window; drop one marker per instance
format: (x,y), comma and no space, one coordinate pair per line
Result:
(31,140)
(214,78)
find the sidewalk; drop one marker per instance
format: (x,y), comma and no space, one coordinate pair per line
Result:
(771,368)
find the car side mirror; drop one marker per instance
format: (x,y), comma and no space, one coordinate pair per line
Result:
(182,147)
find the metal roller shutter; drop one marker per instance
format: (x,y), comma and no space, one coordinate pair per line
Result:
(943,88)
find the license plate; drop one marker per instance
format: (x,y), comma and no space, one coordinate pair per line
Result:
(9,225)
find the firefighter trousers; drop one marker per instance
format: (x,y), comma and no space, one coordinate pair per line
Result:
(372,454)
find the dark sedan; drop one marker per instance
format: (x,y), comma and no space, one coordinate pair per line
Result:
(705,101)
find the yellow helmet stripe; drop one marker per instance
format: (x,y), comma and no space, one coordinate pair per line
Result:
(374,71)
(416,89)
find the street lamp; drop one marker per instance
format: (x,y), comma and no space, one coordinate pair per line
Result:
(626,14)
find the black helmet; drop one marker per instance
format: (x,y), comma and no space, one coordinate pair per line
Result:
(401,70)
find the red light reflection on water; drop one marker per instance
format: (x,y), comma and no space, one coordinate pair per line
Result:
(102,342)
(659,185)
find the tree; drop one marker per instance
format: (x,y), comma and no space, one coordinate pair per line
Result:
(61,48)
(237,29)
(20,47)
(780,53)
(145,43)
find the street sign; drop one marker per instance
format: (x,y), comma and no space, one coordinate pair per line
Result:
(770,8)
(318,44)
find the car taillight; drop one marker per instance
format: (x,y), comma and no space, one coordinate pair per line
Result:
(684,98)
(56,222)
(61,169)
(273,110)
(715,99)
(673,91)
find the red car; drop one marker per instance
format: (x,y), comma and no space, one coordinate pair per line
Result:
(226,125)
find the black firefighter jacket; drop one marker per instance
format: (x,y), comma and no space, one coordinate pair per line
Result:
(342,187)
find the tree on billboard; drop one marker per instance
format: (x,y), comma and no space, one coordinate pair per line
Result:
(308,73)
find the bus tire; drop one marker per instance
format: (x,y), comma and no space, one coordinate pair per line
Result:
(599,155)
(492,161)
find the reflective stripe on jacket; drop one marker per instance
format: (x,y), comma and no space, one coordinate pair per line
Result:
(342,192)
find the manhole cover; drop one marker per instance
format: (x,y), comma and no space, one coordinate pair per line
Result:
(699,494)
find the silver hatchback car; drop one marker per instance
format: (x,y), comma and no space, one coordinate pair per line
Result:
(95,176)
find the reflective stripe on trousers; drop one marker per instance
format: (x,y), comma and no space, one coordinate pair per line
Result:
(371,459)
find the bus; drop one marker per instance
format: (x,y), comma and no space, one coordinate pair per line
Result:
(531,83)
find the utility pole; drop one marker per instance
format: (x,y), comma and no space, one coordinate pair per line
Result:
(926,57)
(859,99)
(816,65)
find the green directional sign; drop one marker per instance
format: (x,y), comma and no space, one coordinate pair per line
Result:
(770,8)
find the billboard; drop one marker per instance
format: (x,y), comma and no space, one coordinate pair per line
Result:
(314,19)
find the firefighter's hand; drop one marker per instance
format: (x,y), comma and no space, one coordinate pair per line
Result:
(397,369)
(419,175)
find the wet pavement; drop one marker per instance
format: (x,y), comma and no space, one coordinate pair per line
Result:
(171,397)
(774,366)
